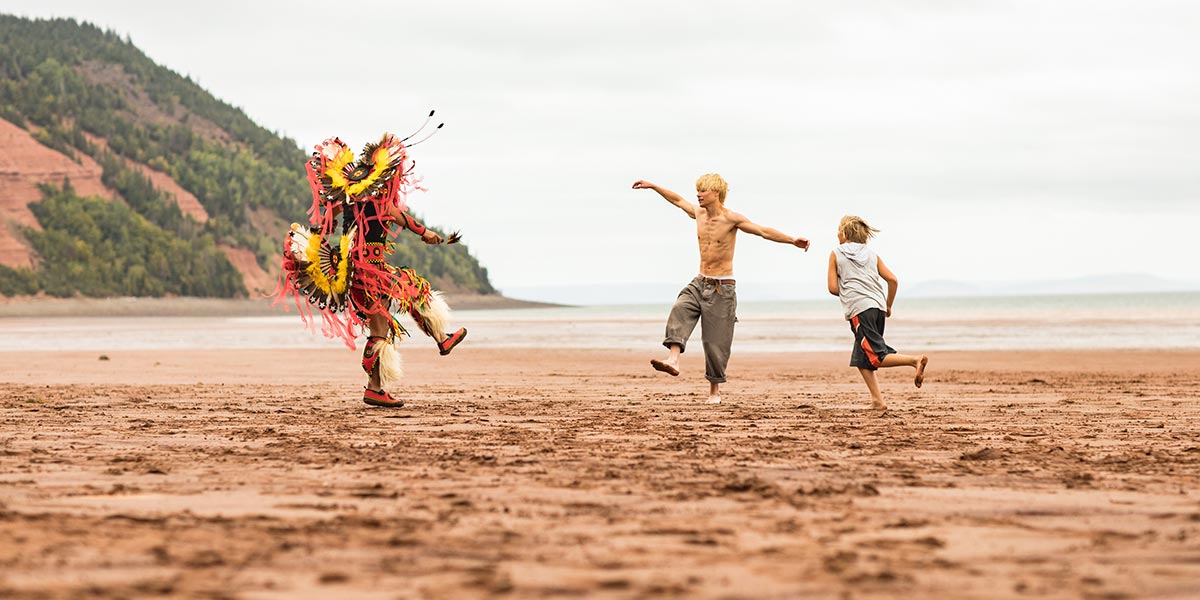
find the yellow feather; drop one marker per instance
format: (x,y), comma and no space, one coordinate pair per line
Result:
(339,286)
(337,166)
(313,254)
(380,164)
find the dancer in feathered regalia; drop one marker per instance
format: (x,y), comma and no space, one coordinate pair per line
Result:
(351,285)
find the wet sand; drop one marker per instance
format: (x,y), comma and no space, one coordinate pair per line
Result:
(583,473)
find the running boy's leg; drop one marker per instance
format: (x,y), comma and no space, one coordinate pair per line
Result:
(887,355)
(904,360)
(870,351)
(868,376)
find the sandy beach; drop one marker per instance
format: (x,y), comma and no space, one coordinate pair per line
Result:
(582,473)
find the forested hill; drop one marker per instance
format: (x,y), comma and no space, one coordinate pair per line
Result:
(121,177)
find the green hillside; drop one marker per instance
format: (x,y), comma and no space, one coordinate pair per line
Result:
(79,89)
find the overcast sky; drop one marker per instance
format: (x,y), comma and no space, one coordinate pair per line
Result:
(990,141)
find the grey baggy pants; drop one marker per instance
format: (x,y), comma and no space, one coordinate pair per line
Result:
(715,305)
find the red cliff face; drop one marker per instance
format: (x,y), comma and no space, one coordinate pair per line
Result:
(186,201)
(24,163)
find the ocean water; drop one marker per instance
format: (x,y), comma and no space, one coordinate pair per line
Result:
(1112,321)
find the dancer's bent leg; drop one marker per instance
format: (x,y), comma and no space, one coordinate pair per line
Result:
(379,327)
(432,318)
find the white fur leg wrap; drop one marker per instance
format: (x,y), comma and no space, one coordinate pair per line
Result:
(436,313)
(391,369)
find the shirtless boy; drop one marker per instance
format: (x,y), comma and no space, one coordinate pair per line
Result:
(711,296)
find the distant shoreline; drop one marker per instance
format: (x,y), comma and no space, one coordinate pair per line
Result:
(36,306)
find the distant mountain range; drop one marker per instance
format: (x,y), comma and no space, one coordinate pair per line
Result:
(1098,284)
(752,291)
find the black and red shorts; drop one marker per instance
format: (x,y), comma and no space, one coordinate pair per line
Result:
(869,347)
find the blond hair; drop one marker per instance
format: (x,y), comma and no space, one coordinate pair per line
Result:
(854,229)
(714,182)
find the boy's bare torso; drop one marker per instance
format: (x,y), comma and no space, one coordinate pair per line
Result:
(717,236)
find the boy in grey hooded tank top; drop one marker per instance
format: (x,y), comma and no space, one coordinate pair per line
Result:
(854,277)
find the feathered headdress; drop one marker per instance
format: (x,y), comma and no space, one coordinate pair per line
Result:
(382,173)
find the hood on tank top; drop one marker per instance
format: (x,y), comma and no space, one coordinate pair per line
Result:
(857,253)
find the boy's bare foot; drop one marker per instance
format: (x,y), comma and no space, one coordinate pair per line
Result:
(666,366)
(876,405)
(920,378)
(714,399)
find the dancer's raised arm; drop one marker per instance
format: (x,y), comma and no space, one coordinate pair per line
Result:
(766,233)
(410,223)
(670,196)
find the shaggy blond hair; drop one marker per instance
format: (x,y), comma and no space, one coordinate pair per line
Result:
(854,229)
(714,182)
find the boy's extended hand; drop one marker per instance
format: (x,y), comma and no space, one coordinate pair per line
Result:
(800,243)
(642,184)
(431,238)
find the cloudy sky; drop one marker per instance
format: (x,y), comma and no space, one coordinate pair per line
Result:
(990,141)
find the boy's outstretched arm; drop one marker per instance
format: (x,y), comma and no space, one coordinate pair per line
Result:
(670,196)
(767,233)
(892,283)
(832,283)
